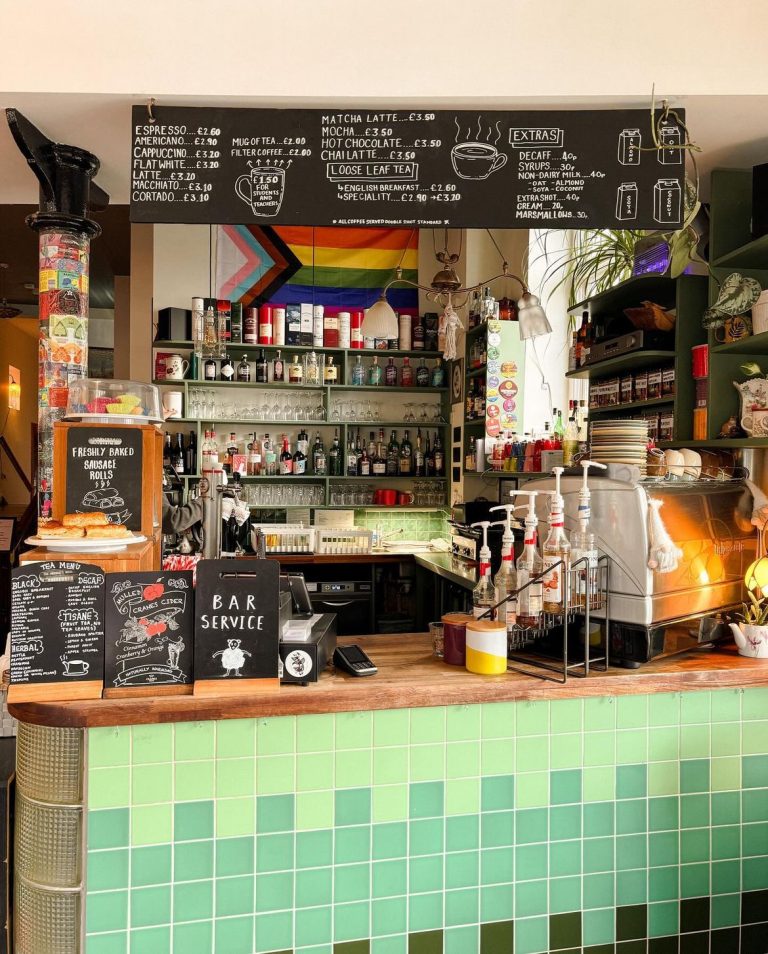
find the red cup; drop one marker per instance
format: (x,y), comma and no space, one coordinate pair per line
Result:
(700,361)
(377,497)
(404,498)
(455,637)
(388,497)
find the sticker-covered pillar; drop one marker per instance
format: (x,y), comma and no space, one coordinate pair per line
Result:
(67,193)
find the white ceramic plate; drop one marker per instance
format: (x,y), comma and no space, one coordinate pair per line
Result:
(83,544)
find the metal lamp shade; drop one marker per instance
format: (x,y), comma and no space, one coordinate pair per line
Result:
(532,317)
(380,320)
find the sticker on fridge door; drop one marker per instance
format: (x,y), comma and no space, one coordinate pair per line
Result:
(626,201)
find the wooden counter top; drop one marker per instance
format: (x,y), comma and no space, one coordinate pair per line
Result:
(409,676)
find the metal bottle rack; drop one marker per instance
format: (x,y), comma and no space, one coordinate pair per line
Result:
(596,597)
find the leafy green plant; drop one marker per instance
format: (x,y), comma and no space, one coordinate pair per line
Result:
(755,613)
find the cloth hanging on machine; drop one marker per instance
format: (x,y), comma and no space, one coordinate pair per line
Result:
(664,555)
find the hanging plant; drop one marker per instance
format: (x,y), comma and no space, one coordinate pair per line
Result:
(738,293)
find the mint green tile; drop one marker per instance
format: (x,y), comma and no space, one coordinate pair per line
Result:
(726,739)
(107,870)
(426,836)
(390,803)
(754,704)
(530,899)
(427,725)
(462,723)
(194,740)
(631,852)
(113,943)
(694,845)
(599,783)
(314,771)
(351,883)
(235,816)
(632,712)
(274,892)
(389,878)
(151,824)
(694,881)
(314,848)
(498,793)
(598,927)
(532,753)
(664,743)
(564,895)
(234,935)
(599,748)
(274,932)
(353,769)
(725,911)
(193,781)
(391,727)
(497,756)
(234,856)
(726,705)
(663,848)
(565,751)
(462,795)
(390,840)
(631,816)
(192,901)
(754,737)
(390,765)
(351,844)
(194,938)
(663,919)
(531,935)
(462,833)
(532,718)
(600,714)
(109,787)
(234,896)
(235,777)
(351,922)
(150,865)
(631,887)
(354,730)
(726,877)
(566,715)
(631,781)
(664,883)
(277,736)
(598,855)
(599,891)
(665,709)
(726,842)
(565,822)
(532,790)
(395,944)
(631,746)
(664,813)
(274,813)
(462,906)
(107,911)
(150,906)
(426,800)
(695,707)
(152,783)
(497,866)
(462,759)
(235,738)
(193,820)
(108,828)
(532,862)
(664,778)
(754,805)
(565,858)
(726,774)
(109,746)
(466,940)
(314,733)
(154,940)
(192,860)
(532,825)
(695,742)
(314,886)
(498,720)
(275,774)
(755,839)
(694,811)
(425,912)
(694,776)
(565,787)
(462,869)
(152,743)
(598,819)
(314,810)
(427,762)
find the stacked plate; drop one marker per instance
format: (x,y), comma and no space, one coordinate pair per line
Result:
(620,442)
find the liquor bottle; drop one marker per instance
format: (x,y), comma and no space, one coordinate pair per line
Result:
(484,593)
(570,440)
(469,410)
(529,566)
(295,371)
(253,465)
(300,457)
(227,370)
(583,425)
(251,326)
(205,452)
(190,455)
(312,370)
(559,429)
(319,465)
(379,461)
(480,402)
(351,457)
(244,369)
(422,375)
(334,457)
(261,368)
(418,333)
(269,453)
(439,456)
(374,372)
(406,374)
(210,336)
(390,374)
(278,368)
(555,552)
(167,450)
(438,374)
(393,457)
(331,371)
(364,464)
(358,371)
(573,351)
(286,458)
(429,460)
(418,456)
(214,450)
(209,369)
(405,464)
(581,340)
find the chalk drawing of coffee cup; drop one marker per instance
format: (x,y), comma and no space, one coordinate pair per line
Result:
(75,667)
(262,189)
(476,160)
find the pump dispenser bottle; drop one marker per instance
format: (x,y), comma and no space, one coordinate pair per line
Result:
(583,547)
(529,565)
(556,553)
(484,594)
(506,579)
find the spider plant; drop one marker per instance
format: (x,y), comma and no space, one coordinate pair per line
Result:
(756,613)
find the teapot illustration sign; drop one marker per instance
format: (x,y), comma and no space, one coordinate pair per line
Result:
(262,190)
(74,667)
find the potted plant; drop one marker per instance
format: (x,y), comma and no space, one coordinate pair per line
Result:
(751,633)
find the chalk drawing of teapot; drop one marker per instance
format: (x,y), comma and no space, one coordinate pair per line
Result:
(75,667)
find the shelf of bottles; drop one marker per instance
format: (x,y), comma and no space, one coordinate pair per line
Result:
(294,424)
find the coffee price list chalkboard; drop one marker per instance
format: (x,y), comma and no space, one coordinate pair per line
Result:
(104,473)
(57,631)
(371,167)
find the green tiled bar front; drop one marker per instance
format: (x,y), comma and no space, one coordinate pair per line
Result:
(596,825)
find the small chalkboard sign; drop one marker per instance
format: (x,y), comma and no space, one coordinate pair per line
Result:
(104,473)
(57,631)
(237,626)
(149,620)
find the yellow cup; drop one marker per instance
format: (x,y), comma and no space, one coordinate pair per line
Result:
(487,647)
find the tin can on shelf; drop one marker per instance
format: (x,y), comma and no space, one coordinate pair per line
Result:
(265,325)
(345,329)
(356,330)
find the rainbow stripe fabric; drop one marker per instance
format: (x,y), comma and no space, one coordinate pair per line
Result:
(346,268)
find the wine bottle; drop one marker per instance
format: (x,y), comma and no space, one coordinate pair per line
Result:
(286,458)
(244,369)
(261,368)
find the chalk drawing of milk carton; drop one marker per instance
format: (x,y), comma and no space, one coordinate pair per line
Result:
(667,198)
(626,201)
(630,141)
(670,139)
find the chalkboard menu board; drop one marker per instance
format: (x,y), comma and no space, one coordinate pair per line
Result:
(237,628)
(104,473)
(149,630)
(369,167)
(57,631)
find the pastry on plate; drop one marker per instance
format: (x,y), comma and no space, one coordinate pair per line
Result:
(96,519)
(57,532)
(107,533)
